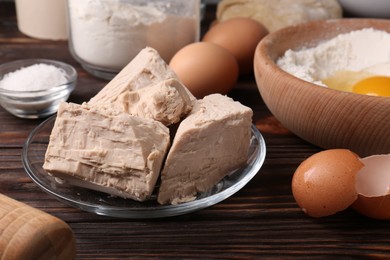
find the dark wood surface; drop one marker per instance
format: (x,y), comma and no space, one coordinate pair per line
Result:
(260,221)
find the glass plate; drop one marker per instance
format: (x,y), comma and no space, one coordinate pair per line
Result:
(103,204)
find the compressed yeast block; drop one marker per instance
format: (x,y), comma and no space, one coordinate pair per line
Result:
(147,68)
(167,102)
(114,153)
(210,142)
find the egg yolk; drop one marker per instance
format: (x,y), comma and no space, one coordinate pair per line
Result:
(374,86)
(344,79)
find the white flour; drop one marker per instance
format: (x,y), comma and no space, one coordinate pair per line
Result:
(110,33)
(352,51)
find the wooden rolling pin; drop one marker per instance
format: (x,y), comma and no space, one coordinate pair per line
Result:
(29,233)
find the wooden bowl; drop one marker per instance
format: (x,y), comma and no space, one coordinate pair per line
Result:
(325,117)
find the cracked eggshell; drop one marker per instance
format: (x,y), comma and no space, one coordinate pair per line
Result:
(324,183)
(373,187)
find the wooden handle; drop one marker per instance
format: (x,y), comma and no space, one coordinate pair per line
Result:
(29,233)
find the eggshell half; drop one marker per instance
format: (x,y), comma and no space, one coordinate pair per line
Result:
(324,183)
(373,187)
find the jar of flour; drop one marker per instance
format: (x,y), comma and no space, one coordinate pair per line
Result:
(105,35)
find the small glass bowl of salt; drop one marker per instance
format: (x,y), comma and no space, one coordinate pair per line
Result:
(33,88)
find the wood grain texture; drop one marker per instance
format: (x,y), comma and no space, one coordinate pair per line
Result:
(261,221)
(29,233)
(323,116)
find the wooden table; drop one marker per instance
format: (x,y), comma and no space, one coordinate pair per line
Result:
(260,221)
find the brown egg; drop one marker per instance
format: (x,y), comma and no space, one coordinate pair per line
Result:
(324,183)
(373,187)
(205,68)
(240,36)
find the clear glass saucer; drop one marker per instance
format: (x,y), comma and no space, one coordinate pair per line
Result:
(104,204)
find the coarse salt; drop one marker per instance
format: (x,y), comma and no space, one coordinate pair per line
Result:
(34,78)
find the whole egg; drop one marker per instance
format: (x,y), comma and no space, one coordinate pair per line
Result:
(205,68)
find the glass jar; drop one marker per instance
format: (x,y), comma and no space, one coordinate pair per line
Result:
(105,35)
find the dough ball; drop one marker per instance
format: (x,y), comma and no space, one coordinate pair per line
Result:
(277,14)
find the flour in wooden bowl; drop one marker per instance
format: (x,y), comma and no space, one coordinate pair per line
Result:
(353,51)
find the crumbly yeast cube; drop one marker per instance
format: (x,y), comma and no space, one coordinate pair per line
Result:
(146,69)
(114,153)
(210,142)
(167,102)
